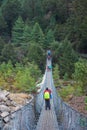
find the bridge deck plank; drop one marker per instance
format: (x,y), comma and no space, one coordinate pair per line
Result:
(47,120)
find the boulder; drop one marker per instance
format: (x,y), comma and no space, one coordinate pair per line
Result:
(6,119)
(4,108)
(4,114)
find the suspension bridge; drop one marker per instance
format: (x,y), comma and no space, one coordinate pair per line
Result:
(47,119)
(60,117)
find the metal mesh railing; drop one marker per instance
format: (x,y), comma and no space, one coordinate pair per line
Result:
(70,119)
(22,119)
(39,99)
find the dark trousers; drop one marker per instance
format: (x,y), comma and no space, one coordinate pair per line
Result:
(47,104)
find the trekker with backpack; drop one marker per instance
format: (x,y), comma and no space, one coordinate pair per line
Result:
(48,54)
(47,97)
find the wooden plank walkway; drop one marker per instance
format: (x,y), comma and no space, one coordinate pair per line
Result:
(48,119)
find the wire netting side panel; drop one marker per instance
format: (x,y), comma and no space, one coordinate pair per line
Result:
(39,98)
(23,119)
(70,119)
(54,95)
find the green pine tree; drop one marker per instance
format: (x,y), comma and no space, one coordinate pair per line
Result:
(49,38)
(18,30)
(37,34)
(35,53)
(27,34)
(67,59)
(10,11)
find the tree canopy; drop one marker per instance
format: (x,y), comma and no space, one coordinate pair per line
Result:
(28,28)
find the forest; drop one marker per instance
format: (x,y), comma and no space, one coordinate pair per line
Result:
(28,28)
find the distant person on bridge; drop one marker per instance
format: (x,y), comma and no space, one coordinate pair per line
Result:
(49,67)
(49,54)
(47,97)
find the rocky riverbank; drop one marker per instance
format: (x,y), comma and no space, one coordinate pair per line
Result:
(11,102)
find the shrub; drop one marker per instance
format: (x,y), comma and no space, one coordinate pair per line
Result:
(80,74)
(66,91)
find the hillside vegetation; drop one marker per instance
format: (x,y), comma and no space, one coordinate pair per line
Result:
(28,28)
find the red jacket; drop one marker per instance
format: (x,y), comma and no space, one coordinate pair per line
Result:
(48,91)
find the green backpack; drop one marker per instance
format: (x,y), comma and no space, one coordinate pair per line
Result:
(46,95)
